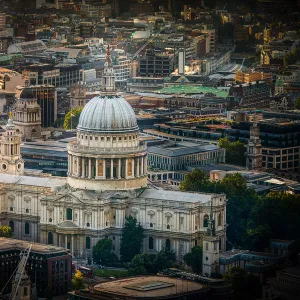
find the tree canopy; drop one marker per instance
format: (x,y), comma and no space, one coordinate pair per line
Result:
(235,151)
(252,219)
(131,240)
(72,118)
(244,285)
(6,231)
(196,181)
(194,259)
(102,252)
(146,263)
(297,103)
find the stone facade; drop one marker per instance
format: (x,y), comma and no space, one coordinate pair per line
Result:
(27,115)
(107,181)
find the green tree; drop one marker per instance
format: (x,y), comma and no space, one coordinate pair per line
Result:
(235,151)
(240,201)
(151,263)
(194,259)
(5,231)
(244,286)
(77,281)
(196,181)
(72,118)
(297,103)
(102,252)
(132,238)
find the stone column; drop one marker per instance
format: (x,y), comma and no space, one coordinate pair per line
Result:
(111,168)
(71,166)
(156,244)
(145,165)
(126,168)
(138,167)
(142,166)
(133,167)
(90,168)
(81,245)
(96,168)
(72,244)
(57,239)
(119,168)
(66,241)
(104,168)
(83,167)
(78,171)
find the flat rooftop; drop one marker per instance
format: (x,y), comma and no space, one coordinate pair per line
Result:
(13,244)
(193,89)
(181,149)
(148,287)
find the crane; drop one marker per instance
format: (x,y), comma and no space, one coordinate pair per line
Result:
(20,272)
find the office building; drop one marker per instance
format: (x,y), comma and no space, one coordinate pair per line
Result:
(48,267)
(47,100)
(156,64)
(174,156)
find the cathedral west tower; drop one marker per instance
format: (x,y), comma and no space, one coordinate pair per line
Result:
(10,158)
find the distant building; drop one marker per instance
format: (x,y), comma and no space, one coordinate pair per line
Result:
(246,77)
(27,115)
(286,285)
(27,48)
(252,94)
(254,156)
(138,84)
(156,64)
(47,99)
(78,95)
(174,156)
(61,75)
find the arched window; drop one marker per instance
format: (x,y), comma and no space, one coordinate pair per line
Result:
(27,228)
(219,219)
(168,226)
(168,245)
(151,224)
(25,291)
(69,214)
(205,221)
(151,242)
(50,238)
(11,224)
(88,242)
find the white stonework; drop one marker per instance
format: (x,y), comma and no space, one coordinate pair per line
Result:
(107,181)
(27,115)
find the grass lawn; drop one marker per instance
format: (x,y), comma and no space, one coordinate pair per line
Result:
(111,273)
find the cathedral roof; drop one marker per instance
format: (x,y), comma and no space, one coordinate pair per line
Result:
(67,224)
(27,95)
(108,114)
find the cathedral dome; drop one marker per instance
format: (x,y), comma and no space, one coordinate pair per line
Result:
(108,114)
(27,95)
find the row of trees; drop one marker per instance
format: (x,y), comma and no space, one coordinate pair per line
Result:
(141,263)
(252,219)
